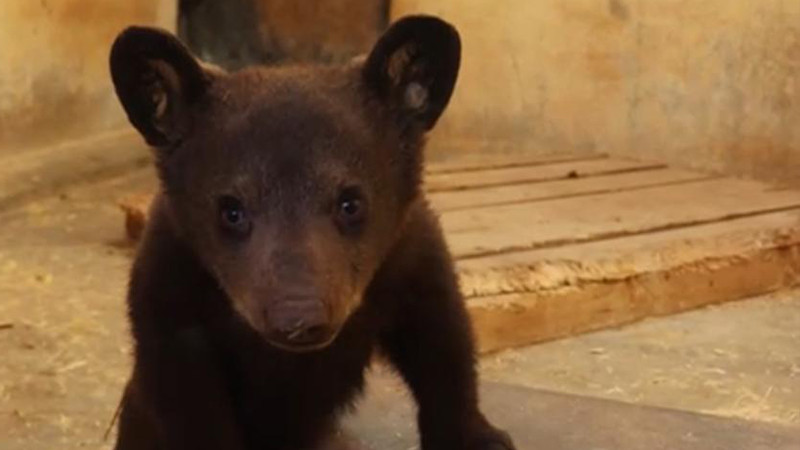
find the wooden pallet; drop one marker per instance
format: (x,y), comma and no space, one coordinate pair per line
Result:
(551,247)
(554,246)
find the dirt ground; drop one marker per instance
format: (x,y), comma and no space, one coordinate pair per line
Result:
(63,270)
(66,353)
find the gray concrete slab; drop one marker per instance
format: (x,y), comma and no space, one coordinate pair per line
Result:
(739,359)
(552,421)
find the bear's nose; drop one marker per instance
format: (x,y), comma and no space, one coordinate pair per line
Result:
(299,322)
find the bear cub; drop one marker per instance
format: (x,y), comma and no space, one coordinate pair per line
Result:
(290,241)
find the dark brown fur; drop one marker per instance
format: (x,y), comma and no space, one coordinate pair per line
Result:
(216,317)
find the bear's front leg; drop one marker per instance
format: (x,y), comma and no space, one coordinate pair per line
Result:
(176,399)
(430,343)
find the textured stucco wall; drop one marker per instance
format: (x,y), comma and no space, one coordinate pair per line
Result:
(712,84)
(54,81)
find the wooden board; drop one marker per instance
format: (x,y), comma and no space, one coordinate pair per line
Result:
(523,226)
(521,298)
(552,257)
(612,260)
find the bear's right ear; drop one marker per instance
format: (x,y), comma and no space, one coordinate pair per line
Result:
(156,79)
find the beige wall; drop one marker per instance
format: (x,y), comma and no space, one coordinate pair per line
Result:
(707,83)
(54,81)
(710,84)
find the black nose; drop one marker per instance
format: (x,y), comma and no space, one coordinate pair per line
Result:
(299,322)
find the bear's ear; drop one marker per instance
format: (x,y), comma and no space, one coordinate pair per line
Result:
(156,79)
(413,68)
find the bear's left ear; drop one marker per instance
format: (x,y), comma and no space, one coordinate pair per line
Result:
(413,68)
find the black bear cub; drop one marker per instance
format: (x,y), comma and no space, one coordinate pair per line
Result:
(290,241)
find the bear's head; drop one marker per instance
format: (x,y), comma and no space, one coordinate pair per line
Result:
(290,184)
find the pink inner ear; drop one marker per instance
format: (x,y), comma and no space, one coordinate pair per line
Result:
(416,96)
(168,77)
(159,98)
(399,63)
(165,88)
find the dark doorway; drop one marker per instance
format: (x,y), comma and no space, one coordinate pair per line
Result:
(238,33)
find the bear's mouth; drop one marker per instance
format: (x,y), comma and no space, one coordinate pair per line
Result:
(302,347)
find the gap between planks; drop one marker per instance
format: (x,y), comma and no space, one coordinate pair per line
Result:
(506,162)
(561,190)
(462,181)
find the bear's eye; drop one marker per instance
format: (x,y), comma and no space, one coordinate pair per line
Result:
(351,210)
(232,216)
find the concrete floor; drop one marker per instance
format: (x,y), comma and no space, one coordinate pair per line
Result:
(63,336)
(740,359)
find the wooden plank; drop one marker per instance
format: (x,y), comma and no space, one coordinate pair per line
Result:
(502,195)
(522,298)
(484,161)
(451,181)
(519,227)
(609,260)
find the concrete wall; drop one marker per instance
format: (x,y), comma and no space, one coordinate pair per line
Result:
(54,81)
(712,84)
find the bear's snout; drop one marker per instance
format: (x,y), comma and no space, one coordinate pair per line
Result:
(299,324)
